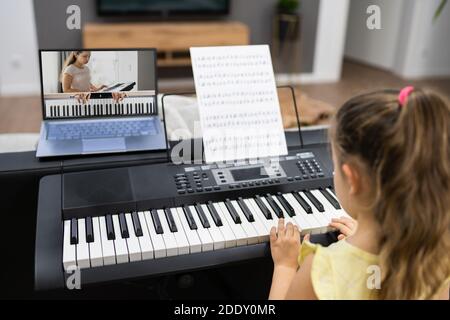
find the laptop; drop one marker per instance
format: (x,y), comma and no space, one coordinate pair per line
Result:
(99,101)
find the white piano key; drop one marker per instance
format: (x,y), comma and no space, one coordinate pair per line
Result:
(259,215)
(316,226)
(299,217)
(274,216)
(228,235)
(319,216)
(203,234)
(195,245)
(340,212)
(169,238)
(119,243)
(145,242)
(239,233)
(69,250)
(82,246)
(252,235)
(95,248)
(330,211)
(259,225)
(159,248)
(108,251)
(180,236)
(134,249)
(287,217)
(216,235)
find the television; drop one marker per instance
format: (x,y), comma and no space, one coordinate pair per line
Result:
(163,8)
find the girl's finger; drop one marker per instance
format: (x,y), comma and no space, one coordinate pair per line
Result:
(273,234)
(341,227)
(281,227)
(289,229)
(296,233)
(306,237)
(341,236)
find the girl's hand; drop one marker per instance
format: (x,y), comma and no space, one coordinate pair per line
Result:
(82,97)
(346,225)
(285,245)
(118,96)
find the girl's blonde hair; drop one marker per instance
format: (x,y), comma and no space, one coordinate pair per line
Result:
(407,152)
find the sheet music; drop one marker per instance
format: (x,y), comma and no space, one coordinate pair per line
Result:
(238,103)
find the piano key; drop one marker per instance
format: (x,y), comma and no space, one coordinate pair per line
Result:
(202,216)
(228,235)
(136,224)
(89,230)
(236,228)
(73,231)
(69,249)
(300,215)
(259,215)
(180,236)
(203,234)
(287,207)
(168,237)
(95,247)
(332,191)
(109,255)
(214,215)
(258,225)
(245,210)
(120,244)
(159,248)
(123,226)
(195,245)
(190,218)
(319,216)
(134,249)
(145,241)
(156,222)
(110,227)
(286,216)
(232,212)
(252,235)
(170,221)
(214,231)
(275,208)
(314,200)
(263,207)
(302,202)
(330,199)
(82,246)
(329,210)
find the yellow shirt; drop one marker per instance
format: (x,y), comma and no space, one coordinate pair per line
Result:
(342,271)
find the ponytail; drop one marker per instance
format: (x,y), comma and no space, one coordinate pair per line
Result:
(406,148)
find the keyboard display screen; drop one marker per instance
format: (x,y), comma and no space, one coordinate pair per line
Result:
(249,174)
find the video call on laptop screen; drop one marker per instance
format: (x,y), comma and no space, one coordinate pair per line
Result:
(94,75)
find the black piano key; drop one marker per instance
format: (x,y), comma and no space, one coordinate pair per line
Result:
(89,230)
(263,208)
(274,206)
(189,218)
(245,210)
(314,201)
(136,224)
(330,198)
(110,227)
(302,202)
(63,110)
(59,111)
(123,226)
(73,110)
(170,220)
(215,216)
(232,211)
(202,216)
(286,205)
(156,222)
(147,107)
(333,191)
(73,231)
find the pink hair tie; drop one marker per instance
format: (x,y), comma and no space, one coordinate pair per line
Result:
(403,95)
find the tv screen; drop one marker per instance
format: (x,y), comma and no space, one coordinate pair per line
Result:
(163,7)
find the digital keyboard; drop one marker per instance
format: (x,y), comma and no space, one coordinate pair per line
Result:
(127,86)
(64,107)
(142,221)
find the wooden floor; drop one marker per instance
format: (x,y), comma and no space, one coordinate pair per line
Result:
(23,114)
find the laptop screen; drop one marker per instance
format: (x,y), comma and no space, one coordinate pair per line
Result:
(98,83)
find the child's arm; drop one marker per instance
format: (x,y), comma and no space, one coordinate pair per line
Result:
(301,287)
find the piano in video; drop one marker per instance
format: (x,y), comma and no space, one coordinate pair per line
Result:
(132,222)
(64,106)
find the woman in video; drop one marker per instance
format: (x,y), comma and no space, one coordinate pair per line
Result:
(76,77)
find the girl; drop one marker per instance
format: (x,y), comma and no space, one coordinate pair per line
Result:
(76,77)
(391,154)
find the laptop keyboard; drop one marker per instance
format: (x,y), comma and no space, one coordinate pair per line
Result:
(100,129)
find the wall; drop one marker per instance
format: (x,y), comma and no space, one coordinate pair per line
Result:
(409,43)
(19,66)
(257,14)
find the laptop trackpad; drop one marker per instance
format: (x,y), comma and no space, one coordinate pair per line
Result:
(107,144)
